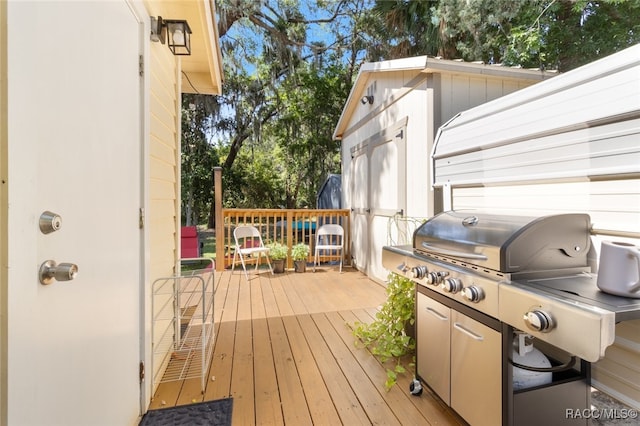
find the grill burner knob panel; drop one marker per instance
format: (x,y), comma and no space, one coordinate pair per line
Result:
(452,285)
(418,272)
(538,320)
(473,293)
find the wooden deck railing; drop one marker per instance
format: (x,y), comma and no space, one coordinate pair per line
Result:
(286,226)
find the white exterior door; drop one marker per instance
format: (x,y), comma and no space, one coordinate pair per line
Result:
(75,149)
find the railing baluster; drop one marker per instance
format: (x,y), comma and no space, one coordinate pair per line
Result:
(287,226)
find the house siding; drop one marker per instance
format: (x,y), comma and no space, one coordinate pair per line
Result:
(162,217)
(164,176)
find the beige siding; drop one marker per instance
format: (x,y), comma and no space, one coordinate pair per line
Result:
(164,170)
(613,205)
(461,92)
(619,372)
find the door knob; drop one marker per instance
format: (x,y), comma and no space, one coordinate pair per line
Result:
(50,271)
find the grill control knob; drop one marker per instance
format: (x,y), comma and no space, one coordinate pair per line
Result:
(435,278)
(538,320)
(452,285)
(418,272)
(473,293)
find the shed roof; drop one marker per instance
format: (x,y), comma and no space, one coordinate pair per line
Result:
(202,70)
(428,65)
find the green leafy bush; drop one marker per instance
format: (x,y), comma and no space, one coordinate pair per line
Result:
(387,336)
(277,251)
(300,251)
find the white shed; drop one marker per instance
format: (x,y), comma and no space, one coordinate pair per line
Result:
(89,175)
(387,129)
(570,144)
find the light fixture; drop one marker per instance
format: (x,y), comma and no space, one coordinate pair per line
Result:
(366,100)
(175,32)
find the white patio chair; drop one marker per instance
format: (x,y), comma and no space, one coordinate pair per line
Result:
(249,243)
(329,237)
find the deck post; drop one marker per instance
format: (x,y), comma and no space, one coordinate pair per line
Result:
(290,220)
(220,240)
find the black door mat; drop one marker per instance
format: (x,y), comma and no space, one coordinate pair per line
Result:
(216,412)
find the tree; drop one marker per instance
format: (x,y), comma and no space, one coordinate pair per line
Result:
(197,159)
(312,102)
(289,67)
(274,72)
(548,34)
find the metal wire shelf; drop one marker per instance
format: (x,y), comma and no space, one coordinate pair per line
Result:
(182,326)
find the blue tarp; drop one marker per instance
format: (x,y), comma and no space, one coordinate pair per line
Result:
(330,193)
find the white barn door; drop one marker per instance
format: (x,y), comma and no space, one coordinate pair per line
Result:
(378,192)
(75,149)
(388,183)
(359,194)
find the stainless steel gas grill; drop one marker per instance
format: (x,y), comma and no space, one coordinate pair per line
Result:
(508,315)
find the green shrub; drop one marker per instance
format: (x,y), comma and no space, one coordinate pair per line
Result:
(277,251)
(300,251)
(386,336)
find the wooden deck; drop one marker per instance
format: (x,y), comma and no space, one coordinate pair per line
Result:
(285,352)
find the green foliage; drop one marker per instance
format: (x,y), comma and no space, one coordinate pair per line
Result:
(549,34)
(289,67)
(300,251)
(386,337)
(197,161)
(277,251)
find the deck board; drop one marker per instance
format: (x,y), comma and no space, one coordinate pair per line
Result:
(267,394)
(318,398)
(285,352)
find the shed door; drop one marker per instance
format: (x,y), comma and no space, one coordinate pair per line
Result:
(75,141)
(378,192)
(387,185)
(359,190)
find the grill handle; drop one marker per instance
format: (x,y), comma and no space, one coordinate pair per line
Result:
(454,253)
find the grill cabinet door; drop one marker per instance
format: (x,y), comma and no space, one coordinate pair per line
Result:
(476,371)
(432,352)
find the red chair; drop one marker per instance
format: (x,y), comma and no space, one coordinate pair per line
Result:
(190,246)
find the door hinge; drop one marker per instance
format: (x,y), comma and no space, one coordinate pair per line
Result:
(141,65)
(141,371)
(141,217)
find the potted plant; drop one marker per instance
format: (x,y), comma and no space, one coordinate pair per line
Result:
(391,336)
(300,254)
(277,254)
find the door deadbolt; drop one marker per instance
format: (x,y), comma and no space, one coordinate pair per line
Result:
(49,222)
(50,271)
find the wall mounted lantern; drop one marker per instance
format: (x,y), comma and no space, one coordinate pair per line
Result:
(174,32)
(367,100)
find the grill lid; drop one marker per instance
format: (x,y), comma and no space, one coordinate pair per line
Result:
(507,243)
